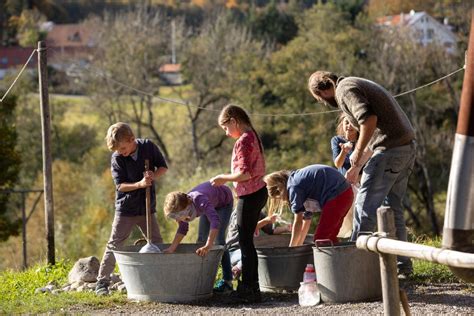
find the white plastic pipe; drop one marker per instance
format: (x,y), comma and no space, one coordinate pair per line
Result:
(451,258)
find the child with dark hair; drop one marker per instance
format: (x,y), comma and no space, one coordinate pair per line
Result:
(248,169)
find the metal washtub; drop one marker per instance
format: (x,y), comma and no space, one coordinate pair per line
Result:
(281,268)
(182,276)
(346,273)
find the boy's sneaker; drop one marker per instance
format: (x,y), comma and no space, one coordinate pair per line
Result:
(102,288)
(222,287)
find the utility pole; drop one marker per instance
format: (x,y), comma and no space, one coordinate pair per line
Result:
(458,231)
(173,44)
(47,157)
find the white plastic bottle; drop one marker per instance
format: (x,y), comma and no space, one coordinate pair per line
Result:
(308,293)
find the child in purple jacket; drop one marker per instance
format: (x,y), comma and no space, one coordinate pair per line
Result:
(215,203)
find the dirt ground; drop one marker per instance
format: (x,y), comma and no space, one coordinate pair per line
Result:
(423,299)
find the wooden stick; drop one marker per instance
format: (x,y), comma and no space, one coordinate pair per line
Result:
(404,300)
(148,206)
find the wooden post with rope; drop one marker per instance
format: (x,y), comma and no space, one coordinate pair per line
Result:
(47,157)
(148,206)
(388,265)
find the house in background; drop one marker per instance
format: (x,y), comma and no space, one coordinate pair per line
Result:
(13,58)
(426,29)
(171,74)
(69,44)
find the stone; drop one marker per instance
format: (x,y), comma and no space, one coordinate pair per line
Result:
(115,278)
(85,269)
(77,284)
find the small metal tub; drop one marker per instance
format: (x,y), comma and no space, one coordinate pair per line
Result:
(182,276)
(281,268)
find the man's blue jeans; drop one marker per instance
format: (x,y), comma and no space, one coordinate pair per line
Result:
(384,182)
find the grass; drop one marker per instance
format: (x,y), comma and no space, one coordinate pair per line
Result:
(428,272)
(17,289)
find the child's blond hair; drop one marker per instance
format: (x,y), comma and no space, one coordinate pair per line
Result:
(277,191)
(175,202)
(117,133)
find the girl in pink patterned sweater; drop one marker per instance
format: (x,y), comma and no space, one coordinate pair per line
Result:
(247,171)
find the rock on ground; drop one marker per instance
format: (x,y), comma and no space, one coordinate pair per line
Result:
(85,269)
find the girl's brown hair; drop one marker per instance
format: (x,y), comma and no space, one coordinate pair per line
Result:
(277,191)
(237,113)
(175,202)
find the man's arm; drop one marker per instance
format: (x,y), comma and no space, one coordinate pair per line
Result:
(367,130)
(361,152)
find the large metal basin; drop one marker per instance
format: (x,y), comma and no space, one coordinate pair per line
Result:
(347,274)
(182,276)
(281,267)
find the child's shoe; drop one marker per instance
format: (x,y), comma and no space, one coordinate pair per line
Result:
(223,287)
(246,295)
(102,288)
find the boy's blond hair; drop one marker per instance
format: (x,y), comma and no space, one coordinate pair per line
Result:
(175,202)
(117,133)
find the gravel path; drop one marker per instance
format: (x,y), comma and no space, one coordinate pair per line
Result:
(423,299)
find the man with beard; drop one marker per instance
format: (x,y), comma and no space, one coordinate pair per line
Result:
(386,139)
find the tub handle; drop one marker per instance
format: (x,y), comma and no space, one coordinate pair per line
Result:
(321,240)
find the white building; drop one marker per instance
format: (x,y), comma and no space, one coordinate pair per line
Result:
(425,28)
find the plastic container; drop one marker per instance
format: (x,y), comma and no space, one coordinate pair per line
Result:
(309,274)
(308,294)
(347,274)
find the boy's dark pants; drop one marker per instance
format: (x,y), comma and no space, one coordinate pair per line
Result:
(248,211)
(122,227)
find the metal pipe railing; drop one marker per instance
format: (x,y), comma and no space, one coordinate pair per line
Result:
(381,244)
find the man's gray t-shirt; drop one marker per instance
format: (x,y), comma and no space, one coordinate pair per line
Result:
(360,98)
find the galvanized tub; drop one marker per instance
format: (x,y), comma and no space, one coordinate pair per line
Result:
(182,276)
(281,268)
(347,274)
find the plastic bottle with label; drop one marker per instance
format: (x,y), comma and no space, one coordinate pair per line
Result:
(308,293)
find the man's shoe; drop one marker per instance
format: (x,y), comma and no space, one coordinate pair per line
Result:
(222,287)
(102,288)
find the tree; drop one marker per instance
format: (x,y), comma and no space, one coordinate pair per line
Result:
(326,40)
(9,164)
(131,48)
(218,64)
(273,24)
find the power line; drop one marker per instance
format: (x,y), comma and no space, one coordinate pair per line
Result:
(430,83)
(19,74)
(102,74)
(181,102)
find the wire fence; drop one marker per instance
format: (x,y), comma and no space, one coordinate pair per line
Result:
(101,73)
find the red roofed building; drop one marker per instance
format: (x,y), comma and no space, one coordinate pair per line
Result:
(13,58)
(171,74)
(426,29)
(69,43)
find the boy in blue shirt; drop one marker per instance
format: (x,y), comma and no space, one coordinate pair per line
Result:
(131,181)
